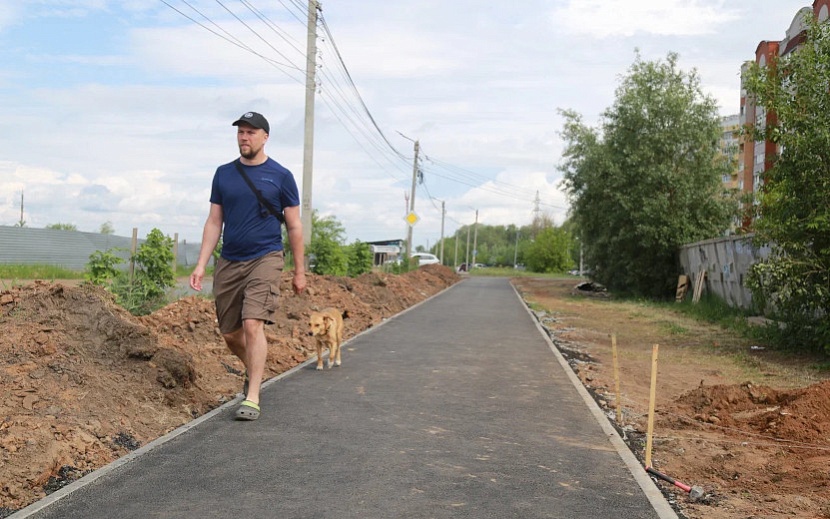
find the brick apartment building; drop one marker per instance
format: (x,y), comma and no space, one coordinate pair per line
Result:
(757,156)
(730,147)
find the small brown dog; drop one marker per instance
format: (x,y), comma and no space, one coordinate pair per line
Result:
(327,326)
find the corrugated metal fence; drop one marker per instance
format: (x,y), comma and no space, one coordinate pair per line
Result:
(726,262)
(71,249)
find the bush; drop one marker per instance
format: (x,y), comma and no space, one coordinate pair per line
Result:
(102,268)
(144,291)
(359,258)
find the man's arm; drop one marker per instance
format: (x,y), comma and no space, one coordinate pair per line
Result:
(294,226)
(210,237)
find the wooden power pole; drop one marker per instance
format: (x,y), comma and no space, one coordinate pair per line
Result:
(308,148)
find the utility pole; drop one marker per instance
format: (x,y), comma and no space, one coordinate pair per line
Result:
(22,222)
(475,239)
(412,198)
(455,259)
(308,147)
(516,250)
(467,256)
(443,213)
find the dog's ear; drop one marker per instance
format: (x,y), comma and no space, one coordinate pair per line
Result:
(329,321)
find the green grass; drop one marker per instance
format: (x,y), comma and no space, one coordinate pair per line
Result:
(713,309)
(511,272)
(673,328)
(48,272)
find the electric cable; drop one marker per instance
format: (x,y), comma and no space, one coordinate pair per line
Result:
(259,36)
(270,61)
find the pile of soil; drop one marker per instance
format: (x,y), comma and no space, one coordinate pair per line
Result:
(83,382)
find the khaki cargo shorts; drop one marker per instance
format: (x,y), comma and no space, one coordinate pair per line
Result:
(247,290)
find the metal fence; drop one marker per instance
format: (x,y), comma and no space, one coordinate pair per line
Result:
(725,262)
(72,249)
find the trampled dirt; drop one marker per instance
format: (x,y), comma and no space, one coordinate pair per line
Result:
(82,382)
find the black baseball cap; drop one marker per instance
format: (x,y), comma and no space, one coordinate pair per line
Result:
(254,119)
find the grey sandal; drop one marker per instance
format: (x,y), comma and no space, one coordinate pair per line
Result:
(247,411)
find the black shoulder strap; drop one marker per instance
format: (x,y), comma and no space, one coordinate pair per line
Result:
(259,196)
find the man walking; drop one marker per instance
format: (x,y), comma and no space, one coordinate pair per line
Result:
(246,213)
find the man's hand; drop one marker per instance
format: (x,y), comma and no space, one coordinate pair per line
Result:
(298,282)
(196,278)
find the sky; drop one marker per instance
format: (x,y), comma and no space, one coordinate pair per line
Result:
(120,111)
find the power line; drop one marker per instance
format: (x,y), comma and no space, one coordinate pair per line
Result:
(258,35)
(233,40)
(346,103)
(274,27)
(354,87)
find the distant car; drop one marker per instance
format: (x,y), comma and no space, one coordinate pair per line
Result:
(425,258)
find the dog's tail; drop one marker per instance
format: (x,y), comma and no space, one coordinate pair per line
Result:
(345,314)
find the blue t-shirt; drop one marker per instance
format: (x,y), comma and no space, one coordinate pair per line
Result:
(250,230)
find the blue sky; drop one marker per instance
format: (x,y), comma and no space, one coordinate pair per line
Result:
(120,111)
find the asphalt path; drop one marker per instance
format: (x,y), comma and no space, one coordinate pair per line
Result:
(459,407)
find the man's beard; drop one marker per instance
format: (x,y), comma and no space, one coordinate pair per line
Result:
(252,152)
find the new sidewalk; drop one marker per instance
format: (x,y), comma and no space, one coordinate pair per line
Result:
(457,408)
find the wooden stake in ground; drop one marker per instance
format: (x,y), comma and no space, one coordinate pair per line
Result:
(616,378)
(652,397)
(699,284)
(682,288)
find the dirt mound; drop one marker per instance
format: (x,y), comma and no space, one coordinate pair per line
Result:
(799,415)
(83,382)
(746,442)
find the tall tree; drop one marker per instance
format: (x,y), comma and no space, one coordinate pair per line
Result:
(550,251)
(794,200)
(649,180)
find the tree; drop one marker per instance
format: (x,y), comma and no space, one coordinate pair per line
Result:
(794,199)
(326,247)
(360,259)
(144,291)
(62,226)
(649,180)
(107,228)
(550,251)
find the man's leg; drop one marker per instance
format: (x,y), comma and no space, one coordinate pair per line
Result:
(256,353)
(250,346)
(236,343)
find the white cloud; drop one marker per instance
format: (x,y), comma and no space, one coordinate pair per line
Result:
(607,18)
(9,13)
